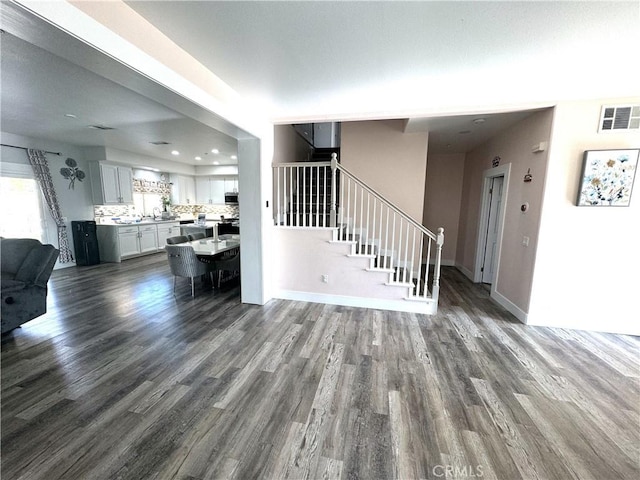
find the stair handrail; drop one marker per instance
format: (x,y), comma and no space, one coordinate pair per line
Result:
(382,199)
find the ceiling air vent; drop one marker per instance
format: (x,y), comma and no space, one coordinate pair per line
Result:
(101,127)
(160,143)
(620,117)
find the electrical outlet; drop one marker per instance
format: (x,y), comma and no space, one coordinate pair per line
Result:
(325,278)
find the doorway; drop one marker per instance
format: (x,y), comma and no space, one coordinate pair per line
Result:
(490,227)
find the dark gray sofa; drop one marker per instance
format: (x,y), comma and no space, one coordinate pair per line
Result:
(26,266)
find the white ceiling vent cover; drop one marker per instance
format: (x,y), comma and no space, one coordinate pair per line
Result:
(619,117)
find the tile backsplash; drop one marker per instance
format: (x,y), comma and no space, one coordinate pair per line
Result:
(113,210)
(229,211)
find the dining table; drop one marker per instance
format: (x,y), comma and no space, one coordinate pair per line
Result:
(210,247)
(219,251)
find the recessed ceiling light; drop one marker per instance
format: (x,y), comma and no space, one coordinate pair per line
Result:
(70,115)
(215,150)
(234,157)
(198,158)
(216,163)
(175,152)
(478,121)
(464,132)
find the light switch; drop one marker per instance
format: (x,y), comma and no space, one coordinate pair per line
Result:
(525,241)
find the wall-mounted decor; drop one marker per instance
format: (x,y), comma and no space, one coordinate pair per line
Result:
(607,177)
(72,173)
(495,162)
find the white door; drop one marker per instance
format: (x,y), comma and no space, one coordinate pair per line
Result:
(491,232)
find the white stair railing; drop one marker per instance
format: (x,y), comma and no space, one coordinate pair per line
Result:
(326,194)
(302,195)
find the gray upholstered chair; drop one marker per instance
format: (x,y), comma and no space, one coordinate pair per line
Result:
(196,236)
(177,239)
(228,263)
(26,268)
(184,263)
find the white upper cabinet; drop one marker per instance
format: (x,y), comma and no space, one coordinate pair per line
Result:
(203,190)
(211,189)
(183,190)
(111,184)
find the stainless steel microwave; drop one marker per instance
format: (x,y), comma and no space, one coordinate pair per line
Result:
(231,198)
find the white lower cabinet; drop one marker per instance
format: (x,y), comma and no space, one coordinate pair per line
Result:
(166,230)
(148,238)
(128,241)
(118,242)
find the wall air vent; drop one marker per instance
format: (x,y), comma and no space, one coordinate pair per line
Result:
(101,127)
(160,143)
(619,117)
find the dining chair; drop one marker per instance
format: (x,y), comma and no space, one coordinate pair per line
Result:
(228,263)
(183,262)
(196,236)
(177,239)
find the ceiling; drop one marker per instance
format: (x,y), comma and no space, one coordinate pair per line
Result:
(345,60)
(41,90)
(440,65)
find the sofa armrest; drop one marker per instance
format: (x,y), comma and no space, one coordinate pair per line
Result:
(38,265)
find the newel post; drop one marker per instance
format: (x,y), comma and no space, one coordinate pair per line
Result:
(436,271)
(333,214)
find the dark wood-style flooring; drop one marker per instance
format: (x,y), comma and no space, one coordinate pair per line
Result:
(122,380)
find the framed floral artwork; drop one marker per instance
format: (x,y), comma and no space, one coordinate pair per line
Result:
(607,177)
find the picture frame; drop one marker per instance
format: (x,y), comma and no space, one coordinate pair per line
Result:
(607,177)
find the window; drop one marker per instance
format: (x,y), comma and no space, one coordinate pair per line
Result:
(20,208)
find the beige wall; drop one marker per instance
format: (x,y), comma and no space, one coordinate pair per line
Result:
(442,198)
(514,146)
(288,146)
(390,161)
(588,257)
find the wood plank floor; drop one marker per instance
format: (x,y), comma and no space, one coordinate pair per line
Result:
(122,380)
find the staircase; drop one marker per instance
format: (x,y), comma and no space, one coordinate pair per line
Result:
(394,247)
(309,185)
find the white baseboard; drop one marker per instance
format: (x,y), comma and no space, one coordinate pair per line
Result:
(510,306)
(465,271)
(375,303)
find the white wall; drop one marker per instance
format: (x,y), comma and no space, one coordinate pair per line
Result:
(588,259)
(136,160)
(76,203)
(222,170)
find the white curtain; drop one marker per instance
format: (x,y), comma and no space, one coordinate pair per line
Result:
(41,171)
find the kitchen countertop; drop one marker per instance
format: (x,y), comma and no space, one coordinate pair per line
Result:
(143,222)
(207,224)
